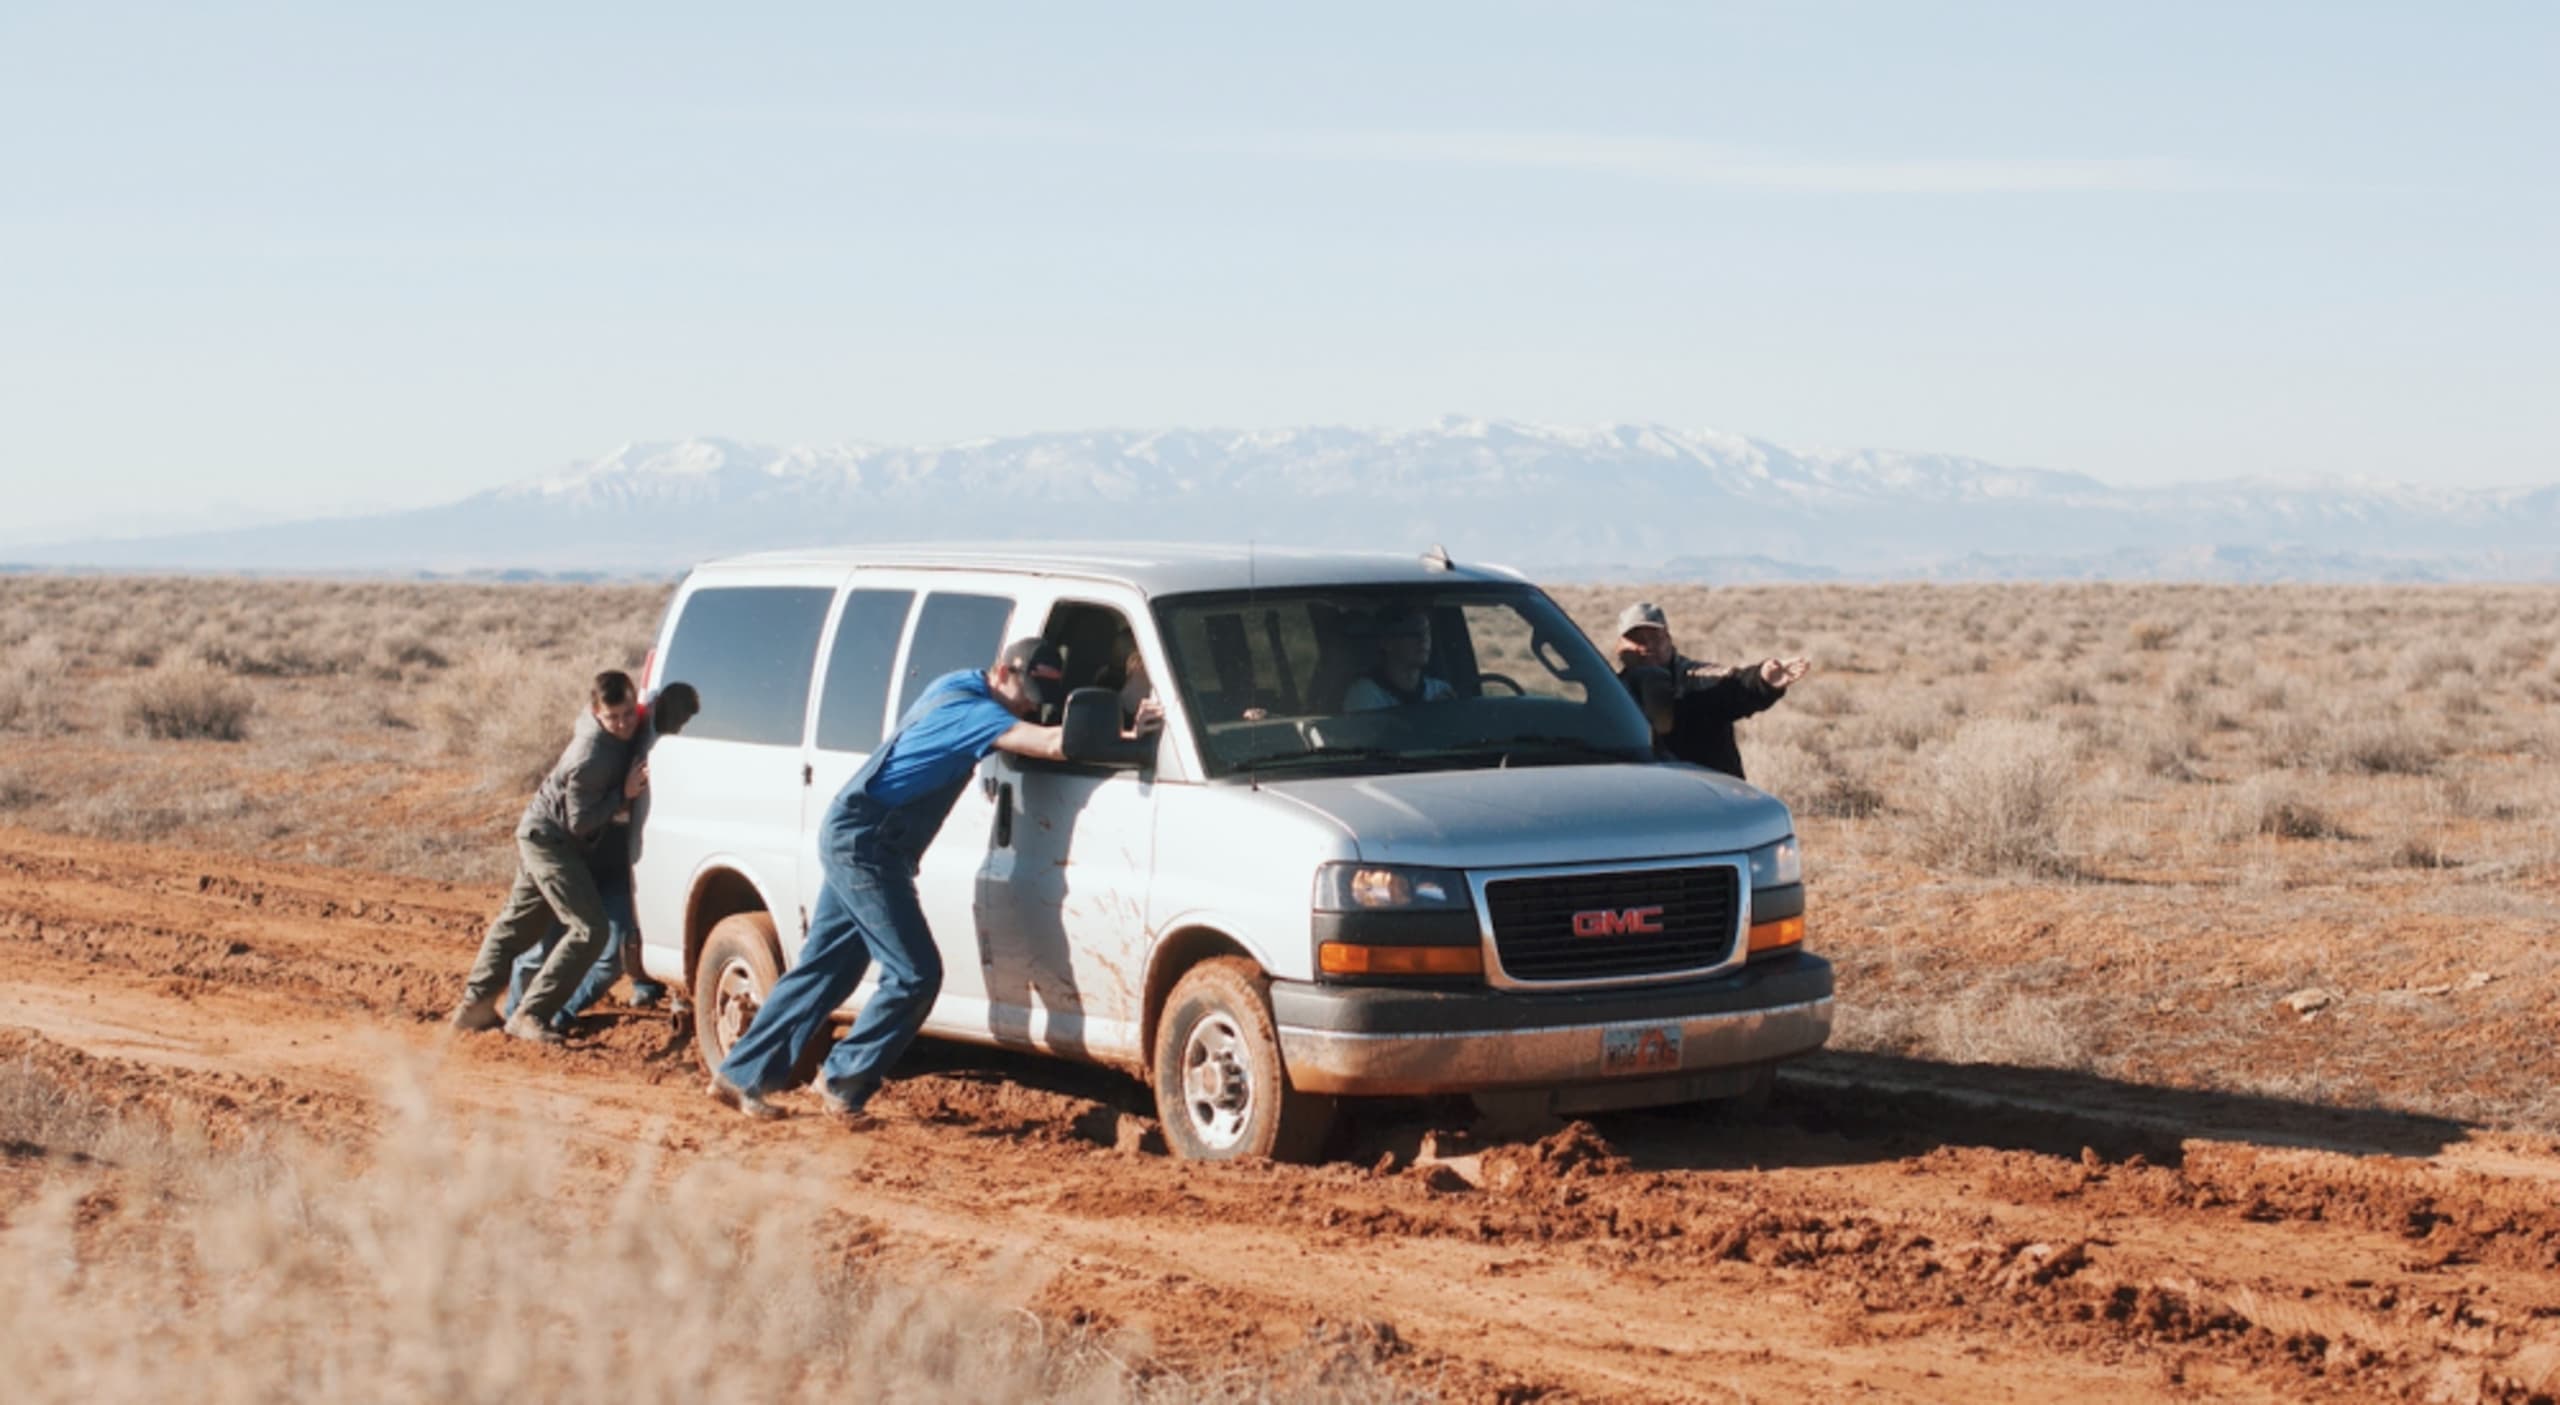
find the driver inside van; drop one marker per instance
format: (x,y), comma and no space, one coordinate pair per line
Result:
(1404,650)
(1126,674)
(873,838)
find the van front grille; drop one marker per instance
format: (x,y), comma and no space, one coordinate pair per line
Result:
(1610,926)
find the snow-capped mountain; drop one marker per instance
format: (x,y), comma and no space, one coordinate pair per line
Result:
(1612,501)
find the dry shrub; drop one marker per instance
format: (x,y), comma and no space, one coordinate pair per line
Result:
(150,809)
(2018,1015)
(2460,797)
(2424,851)
(1814,782)
(397,655)
(272,658)
(2163,746)
(2187,689)
(2150,636)
(2291,742)
(34,678)
(2065,691)
(188,704)
(1833,702)
(2383,748)
(2437,664)
(2340,741)
(17,792)
(508,714)
(466,1269)
(1912,720)
(1996,800)
(2276,806)
(2518,652)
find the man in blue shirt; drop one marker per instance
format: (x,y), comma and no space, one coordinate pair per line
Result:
(874,835)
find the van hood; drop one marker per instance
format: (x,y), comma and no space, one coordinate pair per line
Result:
(1506,818)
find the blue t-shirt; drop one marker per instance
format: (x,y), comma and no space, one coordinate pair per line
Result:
(940,740)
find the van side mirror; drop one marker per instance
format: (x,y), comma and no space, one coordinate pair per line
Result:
(1089,729)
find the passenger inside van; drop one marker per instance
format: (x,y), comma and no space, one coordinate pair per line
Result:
(1402,641)
(1127,676)
(1101,651)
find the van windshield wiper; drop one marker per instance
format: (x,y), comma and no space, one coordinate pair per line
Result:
(1321,753)
(1578,746)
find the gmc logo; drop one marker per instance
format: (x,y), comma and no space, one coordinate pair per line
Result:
(1618,922)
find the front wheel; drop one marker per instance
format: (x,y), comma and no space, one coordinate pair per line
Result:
(1220,1088)
(731,978)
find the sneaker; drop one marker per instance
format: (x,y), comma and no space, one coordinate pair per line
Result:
(533,1031)
(848,1112)
(647,995)
(730,1095)
(473,1016)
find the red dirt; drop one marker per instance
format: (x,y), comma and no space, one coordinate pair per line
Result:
(1892,1229)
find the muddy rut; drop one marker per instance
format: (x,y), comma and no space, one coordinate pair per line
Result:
(1891,1230)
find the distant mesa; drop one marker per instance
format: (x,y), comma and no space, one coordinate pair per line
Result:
(1612,502)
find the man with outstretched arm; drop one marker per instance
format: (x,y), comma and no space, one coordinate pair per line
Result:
(874,835)
(1694,705)
(594,777)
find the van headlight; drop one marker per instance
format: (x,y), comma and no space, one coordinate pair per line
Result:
(1777,865)
(1373,887)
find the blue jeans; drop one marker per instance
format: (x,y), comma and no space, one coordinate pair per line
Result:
(867,912)
(620,927)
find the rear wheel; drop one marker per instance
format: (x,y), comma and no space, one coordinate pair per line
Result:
(731,978)
(1220,1088)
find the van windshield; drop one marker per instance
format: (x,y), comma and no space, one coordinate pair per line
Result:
(1393,678)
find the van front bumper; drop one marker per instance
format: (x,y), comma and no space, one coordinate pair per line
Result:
(1364,1040)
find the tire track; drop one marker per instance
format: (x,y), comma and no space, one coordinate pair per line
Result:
(1900,1230)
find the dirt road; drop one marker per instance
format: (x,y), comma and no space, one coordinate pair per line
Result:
(1893,1230)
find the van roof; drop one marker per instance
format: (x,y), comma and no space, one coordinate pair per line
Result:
(1152,568)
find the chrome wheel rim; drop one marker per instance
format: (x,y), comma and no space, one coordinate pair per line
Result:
(1217,1082)
(734,1002)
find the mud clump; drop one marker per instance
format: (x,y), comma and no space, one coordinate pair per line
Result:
(1574,1153)
(1002,1108)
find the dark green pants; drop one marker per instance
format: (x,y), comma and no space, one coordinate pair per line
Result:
(552,884)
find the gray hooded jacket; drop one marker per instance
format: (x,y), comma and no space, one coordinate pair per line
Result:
(578,798)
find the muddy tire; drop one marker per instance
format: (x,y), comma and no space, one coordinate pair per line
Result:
(739,963)
(1221,1090)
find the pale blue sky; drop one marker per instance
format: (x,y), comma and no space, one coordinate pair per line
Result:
(258,258)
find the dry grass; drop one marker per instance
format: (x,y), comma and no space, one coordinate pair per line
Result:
(1997,800)
(392,725)
(2265,788)
(2262,769)
(439,1265)
(188,704)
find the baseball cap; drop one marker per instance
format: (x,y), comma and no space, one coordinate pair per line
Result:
(1643,614)
(1042,668)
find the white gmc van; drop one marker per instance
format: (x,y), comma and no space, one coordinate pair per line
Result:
(1302,889)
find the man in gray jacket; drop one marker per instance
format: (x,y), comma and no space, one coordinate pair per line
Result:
(593,779)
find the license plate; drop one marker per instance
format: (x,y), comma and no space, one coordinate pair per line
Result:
(1649,1048)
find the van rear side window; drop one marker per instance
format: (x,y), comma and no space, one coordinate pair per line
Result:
(750,650)
(856,700)
(953,632)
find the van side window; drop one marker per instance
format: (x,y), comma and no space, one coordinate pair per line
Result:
(1089,638)
(953,632)
(750,649)
(856,698)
